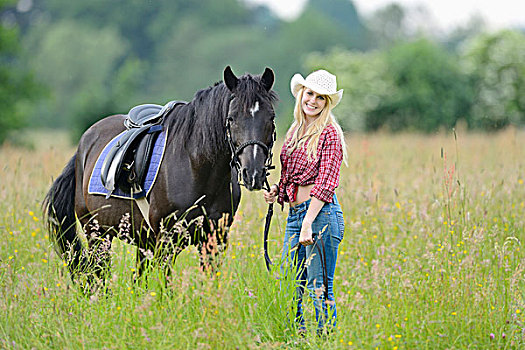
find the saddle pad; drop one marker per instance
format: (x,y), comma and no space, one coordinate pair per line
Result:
(96,186)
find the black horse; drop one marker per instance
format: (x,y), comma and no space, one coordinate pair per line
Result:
(221,138)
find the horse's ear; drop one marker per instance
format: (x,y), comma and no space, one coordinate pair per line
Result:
(230,79)
(267,79)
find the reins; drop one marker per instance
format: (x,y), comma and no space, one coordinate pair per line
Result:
(267,222)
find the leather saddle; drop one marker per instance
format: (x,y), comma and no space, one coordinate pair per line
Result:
(126,163)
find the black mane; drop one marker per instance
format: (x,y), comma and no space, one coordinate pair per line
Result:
(201,123)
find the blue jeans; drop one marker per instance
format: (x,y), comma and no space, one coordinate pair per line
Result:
(307,262)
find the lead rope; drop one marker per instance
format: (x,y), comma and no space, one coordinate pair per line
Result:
(267,222)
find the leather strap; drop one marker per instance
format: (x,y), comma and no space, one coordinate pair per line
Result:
(143,205)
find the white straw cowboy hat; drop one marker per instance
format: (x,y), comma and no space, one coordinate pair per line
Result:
(320,81)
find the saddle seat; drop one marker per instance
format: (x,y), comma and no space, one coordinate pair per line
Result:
(126,163)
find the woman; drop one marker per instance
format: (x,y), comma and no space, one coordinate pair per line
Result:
(311,159)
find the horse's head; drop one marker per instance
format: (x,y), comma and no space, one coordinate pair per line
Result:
(250,125)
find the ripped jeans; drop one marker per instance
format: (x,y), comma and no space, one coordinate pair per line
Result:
(309,263)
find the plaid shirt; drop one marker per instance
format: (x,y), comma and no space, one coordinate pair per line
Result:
(323,171)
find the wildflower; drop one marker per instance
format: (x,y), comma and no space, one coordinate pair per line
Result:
(518,311)
(152,294)
(503,335)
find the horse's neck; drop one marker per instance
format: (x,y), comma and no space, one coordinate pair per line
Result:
(201,131)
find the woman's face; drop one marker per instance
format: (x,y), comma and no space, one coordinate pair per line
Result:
(312,103)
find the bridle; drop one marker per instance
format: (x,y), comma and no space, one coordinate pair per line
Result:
(236,151)
(236,163)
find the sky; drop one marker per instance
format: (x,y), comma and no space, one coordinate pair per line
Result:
(447,13)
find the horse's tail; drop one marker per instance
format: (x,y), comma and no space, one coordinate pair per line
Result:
(59,211)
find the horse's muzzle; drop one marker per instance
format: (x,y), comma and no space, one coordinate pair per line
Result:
(253,179)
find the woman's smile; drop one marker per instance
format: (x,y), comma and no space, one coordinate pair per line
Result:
(312,103)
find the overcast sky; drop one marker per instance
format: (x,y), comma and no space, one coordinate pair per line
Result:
(447,13)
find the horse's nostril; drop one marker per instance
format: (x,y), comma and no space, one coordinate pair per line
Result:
(244,173)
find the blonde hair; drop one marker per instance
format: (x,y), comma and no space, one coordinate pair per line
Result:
(311,133)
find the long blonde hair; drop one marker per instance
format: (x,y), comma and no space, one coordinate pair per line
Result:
(311,133)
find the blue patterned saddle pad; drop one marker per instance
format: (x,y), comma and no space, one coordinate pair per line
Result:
(95,183)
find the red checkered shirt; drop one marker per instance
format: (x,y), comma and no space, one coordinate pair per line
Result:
(323,171)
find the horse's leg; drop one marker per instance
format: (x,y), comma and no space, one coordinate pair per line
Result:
(99,252)
(146,250)
(214,244)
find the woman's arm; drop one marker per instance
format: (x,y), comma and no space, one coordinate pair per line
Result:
(305,238)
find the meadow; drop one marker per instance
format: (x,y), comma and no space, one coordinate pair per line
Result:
(431,259)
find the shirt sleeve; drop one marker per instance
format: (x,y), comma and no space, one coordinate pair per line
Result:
(331,157)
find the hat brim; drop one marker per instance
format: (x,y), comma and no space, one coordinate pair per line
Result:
(297,83)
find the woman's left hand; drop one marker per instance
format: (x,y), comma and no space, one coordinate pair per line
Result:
(305,238)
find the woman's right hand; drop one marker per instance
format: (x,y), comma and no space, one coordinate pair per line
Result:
(269,197)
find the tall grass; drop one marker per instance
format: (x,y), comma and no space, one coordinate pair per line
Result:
(432,258)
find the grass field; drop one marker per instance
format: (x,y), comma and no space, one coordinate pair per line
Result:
(432,258)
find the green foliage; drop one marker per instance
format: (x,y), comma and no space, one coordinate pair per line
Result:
(496,63)
(79,64)
(16,84)
(344,15)
(102,57)
(147,23)
(431,91)
(414,86)
(182,46)
(388,25)
(194,58)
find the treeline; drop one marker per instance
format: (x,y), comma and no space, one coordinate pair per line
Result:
(421,86)
(77,61)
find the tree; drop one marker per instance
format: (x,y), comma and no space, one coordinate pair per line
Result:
(431,90)
(79,64)
(388,25)
(497,65)
(16,84)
